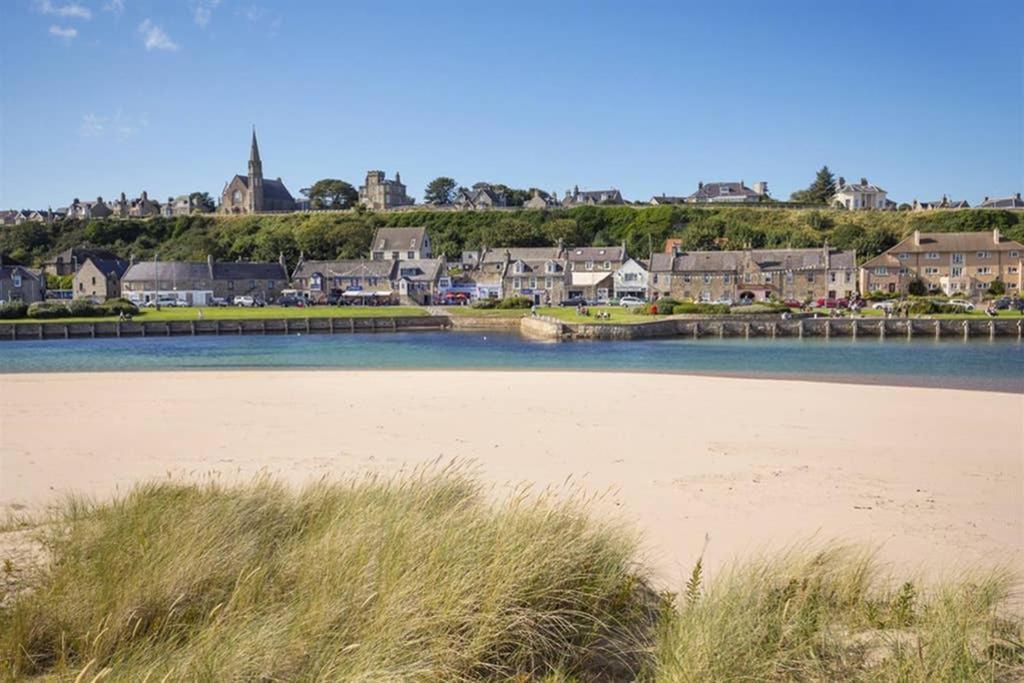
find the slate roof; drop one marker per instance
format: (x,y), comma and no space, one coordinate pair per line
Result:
(345,268)
(83,252)
(666,199)
(596,253)
(497,254)
(766,259)
(859,187)
(244,270)
(946,242)
(275,189)
(710,191)
(398,239)
(419,270)
(183,271)
(1014,202)
(8,270)
(108,267)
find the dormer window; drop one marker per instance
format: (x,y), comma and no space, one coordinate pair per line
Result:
(607,265)
(590,265)
(16,279)
(550,266)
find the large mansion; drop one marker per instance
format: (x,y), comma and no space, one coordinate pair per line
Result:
(963,263)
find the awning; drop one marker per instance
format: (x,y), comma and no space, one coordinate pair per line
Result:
(383,293)
(588,279)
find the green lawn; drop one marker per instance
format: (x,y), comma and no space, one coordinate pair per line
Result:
(235,313)
(470,312)
(618,314)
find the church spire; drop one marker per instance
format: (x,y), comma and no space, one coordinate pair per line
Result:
(254,153)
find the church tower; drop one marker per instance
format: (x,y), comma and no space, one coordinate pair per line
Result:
(255,177)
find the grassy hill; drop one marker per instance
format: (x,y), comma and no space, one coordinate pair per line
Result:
(348,234)
(424,578)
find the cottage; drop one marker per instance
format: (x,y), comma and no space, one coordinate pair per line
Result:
(728,193)
(19,283)
(393,244)
(417,281)
(86,210)
(197,284)
(944,203)
(541,200)
(356,280)
(575,197)
(70,260)
(481,196)
(537,273)
(591,271)
(98,279)
(957,263)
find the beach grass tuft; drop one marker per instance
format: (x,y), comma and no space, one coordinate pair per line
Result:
(424,576)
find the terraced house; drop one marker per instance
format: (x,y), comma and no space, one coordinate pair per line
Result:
(538,273)
(355,280)
(751,275)
(198,283)
(956,263)
(592,271)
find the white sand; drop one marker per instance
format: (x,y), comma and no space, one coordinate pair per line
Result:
(936,477)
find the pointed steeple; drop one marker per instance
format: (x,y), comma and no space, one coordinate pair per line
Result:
(255,177)
(254,152)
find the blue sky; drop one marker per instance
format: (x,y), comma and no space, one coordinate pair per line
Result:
(103,96)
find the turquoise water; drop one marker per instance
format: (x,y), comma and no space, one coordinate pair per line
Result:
(996,365)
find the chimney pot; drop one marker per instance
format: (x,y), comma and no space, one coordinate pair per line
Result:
(995,235)
(917,238)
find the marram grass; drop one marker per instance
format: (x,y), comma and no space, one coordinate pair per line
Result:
(422,577)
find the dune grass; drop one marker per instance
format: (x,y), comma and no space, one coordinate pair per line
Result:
(422,577)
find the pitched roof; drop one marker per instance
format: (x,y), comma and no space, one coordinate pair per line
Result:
(766,259)
(275,189)
(925,242)
(184,271)
(108,267)
(399,239)
(1014,202)
(244,270)
(712,190)
(498,254)
(419,270)
(862,186)
(596,253)
(6,271)
(345,268)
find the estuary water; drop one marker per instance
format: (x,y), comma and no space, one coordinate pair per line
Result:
(990,365)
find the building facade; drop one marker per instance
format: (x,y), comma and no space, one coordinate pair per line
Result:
(860,196)
(1013,202)
(99,279)
(575,197)
(592,271)
(541,200)
(728,193)
(18,283)
(253,193)
(956,263)
(355,280)
(379,193)
(198,283)
(70,260)
(400,243)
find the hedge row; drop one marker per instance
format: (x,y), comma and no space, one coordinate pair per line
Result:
(79,308)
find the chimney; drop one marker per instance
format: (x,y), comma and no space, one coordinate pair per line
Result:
(209,264)
(917,238)
(983,200)
(863,181)
(826,252)
(1017,196)
(700,185)
(995,235)
(841,182)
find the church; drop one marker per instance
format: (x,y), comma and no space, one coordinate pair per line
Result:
(253,194)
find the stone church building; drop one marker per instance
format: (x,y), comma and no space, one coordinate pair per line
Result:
(253,193)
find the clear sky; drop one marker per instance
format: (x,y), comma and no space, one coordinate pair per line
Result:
(103,96)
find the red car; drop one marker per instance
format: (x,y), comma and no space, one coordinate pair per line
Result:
(793,303)
(833,303)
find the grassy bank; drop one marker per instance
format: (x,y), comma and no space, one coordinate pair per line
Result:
(422,578)
(239,313)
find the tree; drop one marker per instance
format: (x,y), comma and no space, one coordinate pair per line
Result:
(917,287)
(202,201)
(820,191)
(997,288)
(331,193)
(440,191)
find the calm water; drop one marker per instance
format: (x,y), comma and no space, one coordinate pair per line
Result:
(997,365)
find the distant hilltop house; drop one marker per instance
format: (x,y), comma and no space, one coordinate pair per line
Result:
(252,193)
(86,210)
(379,193)
(480,196)
(182,205)
(140,207)
(944,203)
(541,200)
(750,275)
(393,244)
(1014,202)
(728,193)
(197,283)
(957,263)
(575,197)
(19,216)
(666,200)
(860,196)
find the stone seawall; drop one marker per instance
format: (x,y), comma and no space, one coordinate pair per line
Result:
(485,323)
(179,328)
(542,327)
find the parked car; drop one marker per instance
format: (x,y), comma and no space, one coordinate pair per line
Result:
(793,303)
(290,300)
(244,301)
(164,301)
(574,301)
(832,303)
(724,301)
(631,301)
(218,301)
(962,304)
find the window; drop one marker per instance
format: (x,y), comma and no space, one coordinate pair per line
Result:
(518,267)
(726,278)
(982,285)
(630,277)
(517,283)
(881,270)
(686,279)
(550,266)
(832,277)
(874,286)
(231,284)
(931,271)
(1014,254)
(904,256)
(655,278)
(748,278)
(932,286)
(810,277)
(410,254)
(903,271)
(958,258)
(766,277)
(985,254)
(16,279)
(707,278)
(607,265)
(932,255)
(1011,269)
(547,283)
(533,283)
(789,278)
(394,255)
(984,270)
(94,281)
(590,265)
(956,271)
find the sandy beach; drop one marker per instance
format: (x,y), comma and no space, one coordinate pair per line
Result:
(748,464)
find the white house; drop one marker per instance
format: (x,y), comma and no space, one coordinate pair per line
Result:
(863,195)
(630,280)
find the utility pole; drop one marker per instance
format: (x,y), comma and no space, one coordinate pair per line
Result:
(156,274)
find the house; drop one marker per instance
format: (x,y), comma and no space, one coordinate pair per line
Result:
(253,193)
(400,243)
(630,279)
(19,283)
(750,275)
(1014,202)
(86,210)
(197,283)
(70,260)
(541,200)
(182,205)
(665,200)
(484,273)
(481,196)
(591,271)
(143,207)
(358,280)
(957,263)
(575,197)
(537,273)
(17,217)
(728,193)
(99,279)
(863,195)
(944,203)
(379,193)
(417,281)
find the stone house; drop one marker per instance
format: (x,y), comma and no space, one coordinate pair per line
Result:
(592,269)
(400,243)
(19,283)
(86,210)
(728,193)
(753,275)
(70,260)
(861,196)
(99,279)
(417,281)
(537,273)
(956,263)
(944,203)
(575,197)
(1014,202)
(379,193)
(542,200)
(253,193)
(359,280)
(481,196)
(197,283)
(665,200)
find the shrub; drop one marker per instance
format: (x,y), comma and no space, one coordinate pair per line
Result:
(917,287)
(119,306)
(47,309)
(83,308)
(515,302)
(701,309)
(13,310)
(485,304)
(997,288)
